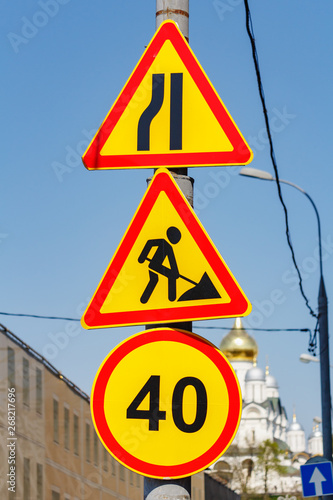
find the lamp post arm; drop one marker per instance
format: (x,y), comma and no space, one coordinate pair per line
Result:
(318,219)
(322,324)
(325,383)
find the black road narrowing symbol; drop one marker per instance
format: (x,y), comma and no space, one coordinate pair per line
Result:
(164,250)
(176,112)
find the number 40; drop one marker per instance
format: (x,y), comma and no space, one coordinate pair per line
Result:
(154,414)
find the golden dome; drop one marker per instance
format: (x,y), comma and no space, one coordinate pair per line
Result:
(238,344)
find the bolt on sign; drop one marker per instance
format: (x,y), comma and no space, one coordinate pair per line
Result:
(165,269)
(166,403)
(168,114)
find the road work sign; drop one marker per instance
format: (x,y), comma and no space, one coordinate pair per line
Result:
(166,268)
(166,403)
(168,114)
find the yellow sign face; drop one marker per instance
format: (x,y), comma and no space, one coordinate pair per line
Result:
(195,112)
(165,269)
(168,114)
(166,403)
(144,265)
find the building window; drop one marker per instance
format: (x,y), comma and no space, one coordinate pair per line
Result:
(66,428)
(55,421)
(39,394)
(11,367)
(247,467)
(95,449)
(87,442)
(131,475)
(39,482)
(138,480)
(26,384)
(76,434)
(26,479)
(105,460)
(113,467)
(55,495)
(121,472)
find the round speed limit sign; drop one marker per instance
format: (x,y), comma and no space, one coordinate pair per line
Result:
(166,403)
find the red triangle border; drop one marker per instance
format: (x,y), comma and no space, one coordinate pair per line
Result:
(241,154)
(238,306)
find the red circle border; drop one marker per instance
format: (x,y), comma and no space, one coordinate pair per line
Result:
(146,468)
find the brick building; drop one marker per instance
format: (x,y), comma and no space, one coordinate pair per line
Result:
(51,451)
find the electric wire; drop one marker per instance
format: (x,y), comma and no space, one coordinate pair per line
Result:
(312,336)
(313,340)
(38,316)
(307,330)
(62,318)
(250,31)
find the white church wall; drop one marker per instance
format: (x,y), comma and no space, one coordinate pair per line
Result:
(315,445)
(296,441)
(241,367)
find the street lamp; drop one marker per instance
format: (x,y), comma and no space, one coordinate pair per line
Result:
(306,358)
(322,320)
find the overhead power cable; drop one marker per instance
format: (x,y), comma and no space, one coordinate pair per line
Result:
(38,316)
(312,336)
(250,31)
(62,318)
(307,330)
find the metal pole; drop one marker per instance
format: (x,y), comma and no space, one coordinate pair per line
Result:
(325,371)
(326,406)
(176,489)
(325,383)
(177,10)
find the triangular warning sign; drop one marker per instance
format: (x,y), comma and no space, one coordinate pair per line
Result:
(166,268)
(168,114)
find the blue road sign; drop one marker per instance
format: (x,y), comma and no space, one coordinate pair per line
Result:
(317,479)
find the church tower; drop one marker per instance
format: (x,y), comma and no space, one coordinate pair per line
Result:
(241,350)
(296,436)
(315,441)
(263,416)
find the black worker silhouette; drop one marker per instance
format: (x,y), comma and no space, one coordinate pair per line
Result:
(202,290)
(156,267)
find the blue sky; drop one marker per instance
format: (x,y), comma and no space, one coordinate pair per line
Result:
(65,63)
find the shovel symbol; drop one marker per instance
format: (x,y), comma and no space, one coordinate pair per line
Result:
(202,290)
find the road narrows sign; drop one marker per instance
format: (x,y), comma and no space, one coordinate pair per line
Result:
(166,268)
(168,114)
(166,403)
